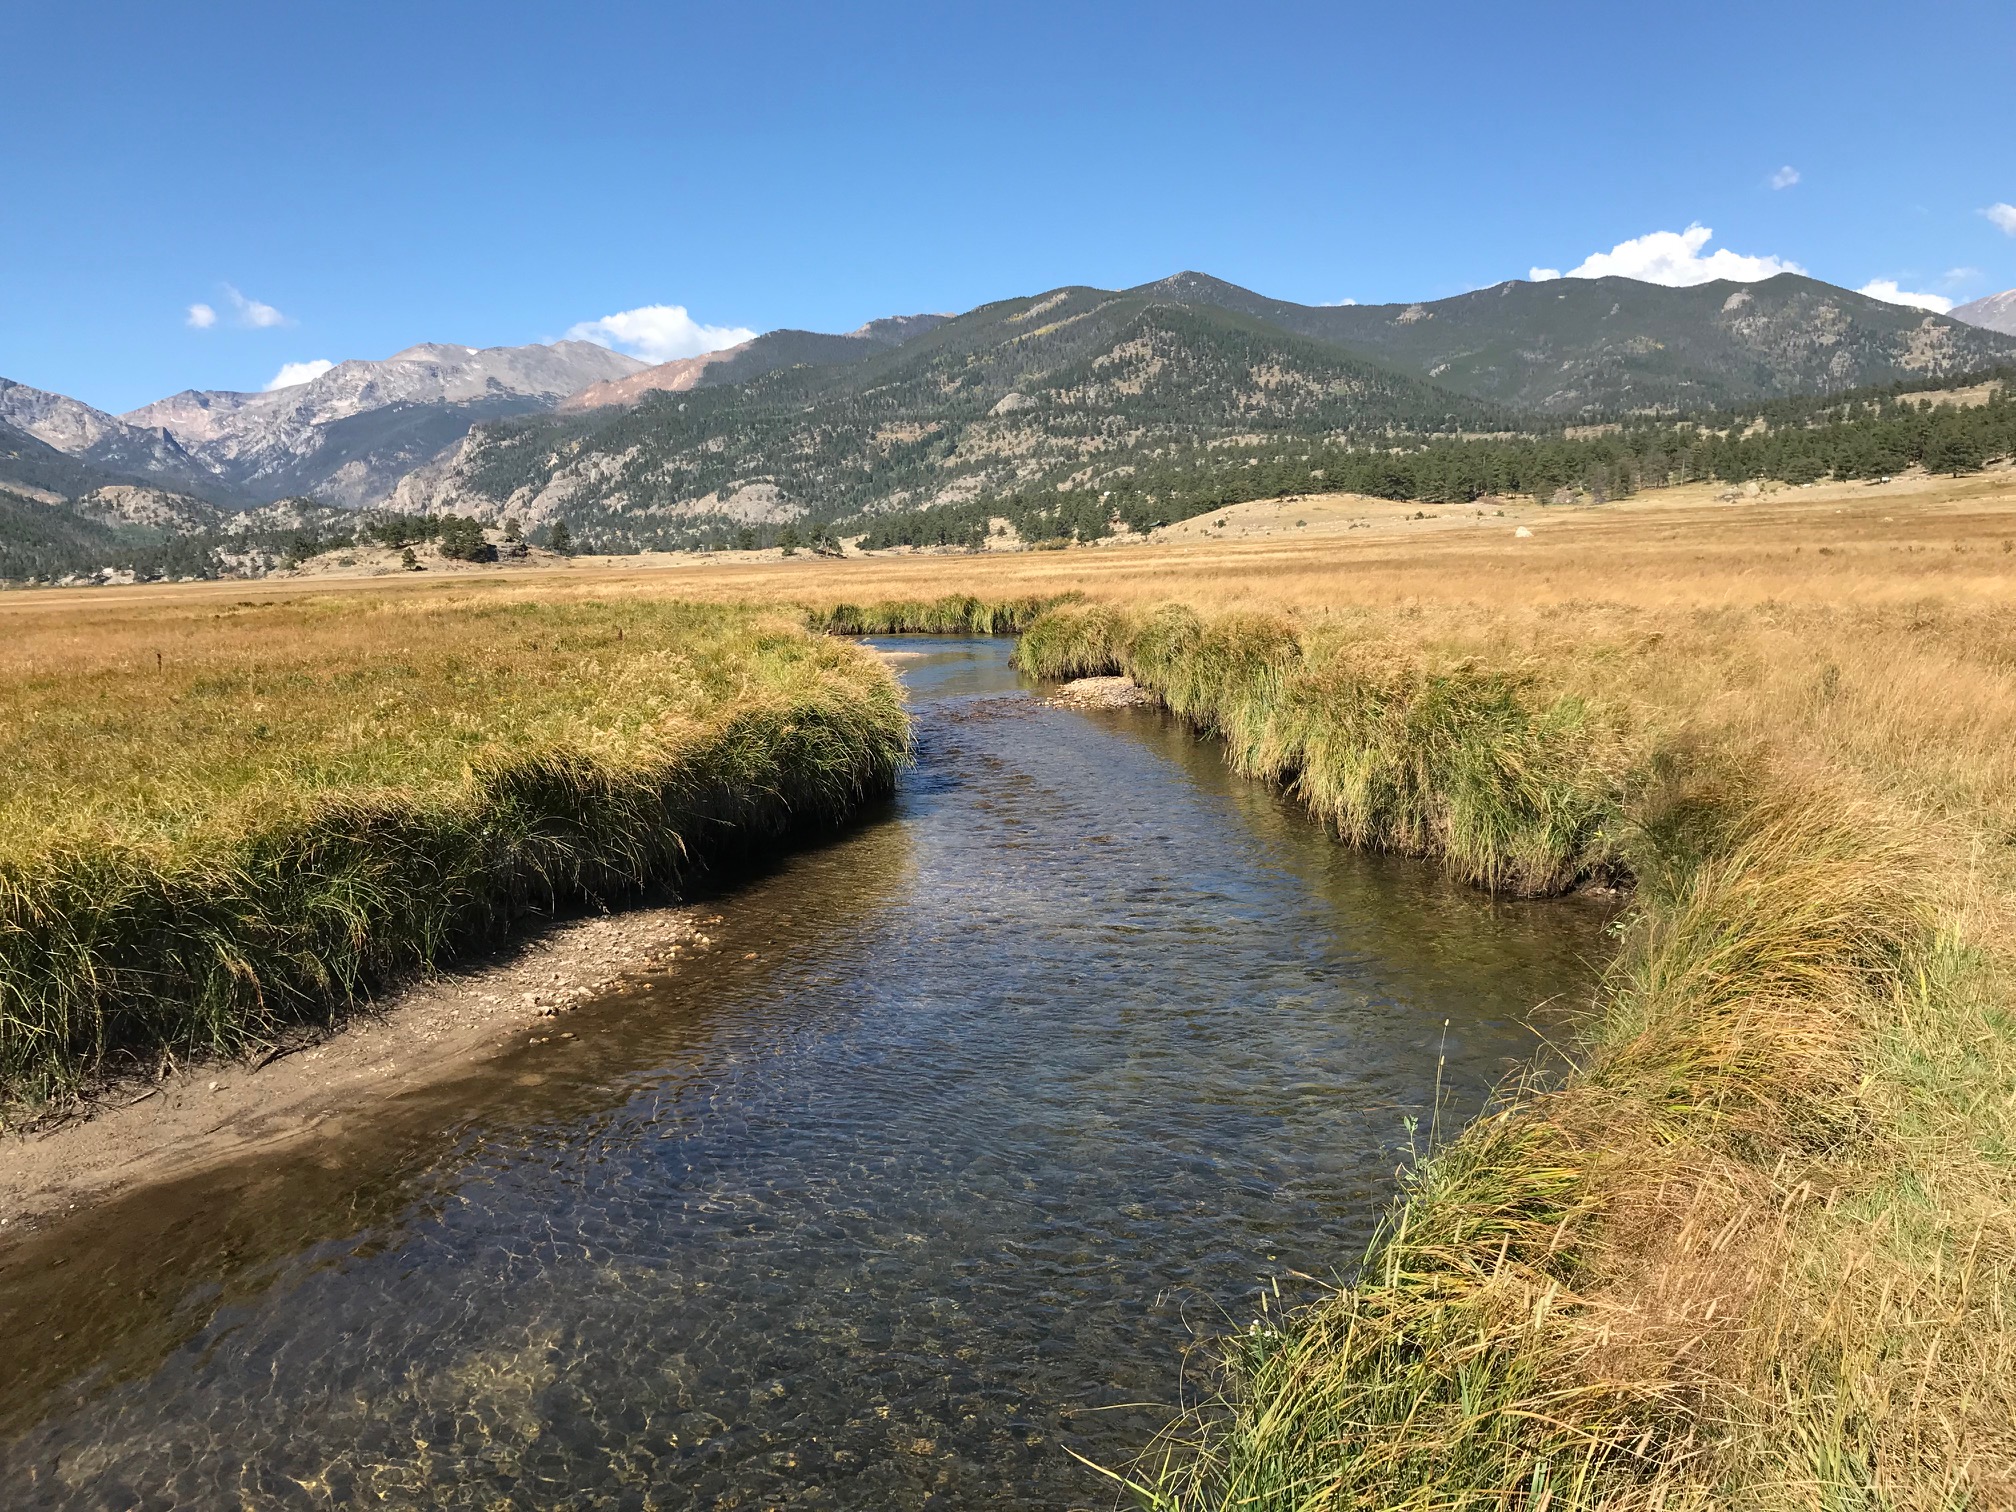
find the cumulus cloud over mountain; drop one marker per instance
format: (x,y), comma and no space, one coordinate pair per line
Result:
(293,374)
(1886,290)
(658,333)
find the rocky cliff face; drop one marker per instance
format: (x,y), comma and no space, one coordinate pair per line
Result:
(107,442)
(1997,312)
(351,433)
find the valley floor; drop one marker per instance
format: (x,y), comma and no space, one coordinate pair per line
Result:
(1693,545)
(1763,1252)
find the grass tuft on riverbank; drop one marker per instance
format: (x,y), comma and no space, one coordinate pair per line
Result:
(1511,787)
(222,822)
(952,614)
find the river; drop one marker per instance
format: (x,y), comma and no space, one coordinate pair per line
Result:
(977,1121)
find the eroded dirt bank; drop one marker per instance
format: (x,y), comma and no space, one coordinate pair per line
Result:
(205,1114)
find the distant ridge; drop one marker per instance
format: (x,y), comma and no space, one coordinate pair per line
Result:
(96,448)
(673,377)
(349,435)
(1577,347)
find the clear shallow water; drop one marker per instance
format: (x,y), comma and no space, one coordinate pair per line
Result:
(1035,1076)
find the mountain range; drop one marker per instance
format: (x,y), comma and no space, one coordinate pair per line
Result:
(345,437)
(1087,389)
(1604,346)
(1075,388)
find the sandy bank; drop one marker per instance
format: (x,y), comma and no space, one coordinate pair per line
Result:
(203,1115)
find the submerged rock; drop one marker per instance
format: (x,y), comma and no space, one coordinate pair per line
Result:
(1103,693)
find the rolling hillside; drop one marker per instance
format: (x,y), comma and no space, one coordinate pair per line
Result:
(1590,348)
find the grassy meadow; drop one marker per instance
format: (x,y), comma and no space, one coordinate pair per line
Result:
(223,815)
(1757,1249)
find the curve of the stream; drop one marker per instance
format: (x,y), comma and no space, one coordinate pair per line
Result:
(982,1114)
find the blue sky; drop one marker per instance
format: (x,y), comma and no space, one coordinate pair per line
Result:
(343,180)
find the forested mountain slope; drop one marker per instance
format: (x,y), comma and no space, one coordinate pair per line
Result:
(30,466)
(1601,347)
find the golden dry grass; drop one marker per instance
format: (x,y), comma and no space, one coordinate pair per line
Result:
(1762,1250)
(222,815)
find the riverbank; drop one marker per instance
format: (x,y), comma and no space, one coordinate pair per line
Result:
(316,1083)
(222,826)
(1759,1248)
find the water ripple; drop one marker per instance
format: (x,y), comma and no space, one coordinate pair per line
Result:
(1030,1082)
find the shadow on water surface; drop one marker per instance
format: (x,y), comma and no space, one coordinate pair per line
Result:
(973,1119)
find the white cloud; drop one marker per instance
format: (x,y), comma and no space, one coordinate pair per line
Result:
(1541,275)
(1336,304)
(293,374)
(202,317)
(1961,276)
(1785,177)
(658,333)
(253,313)
(1675,258)
(2004,217)
(1886,290)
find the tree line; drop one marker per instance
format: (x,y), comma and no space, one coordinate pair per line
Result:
(1794,442)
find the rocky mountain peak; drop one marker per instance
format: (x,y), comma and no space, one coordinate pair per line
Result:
(1995,312)
(433,351)
(320,437)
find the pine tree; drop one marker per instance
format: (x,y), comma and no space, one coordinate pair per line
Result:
(1954,451)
